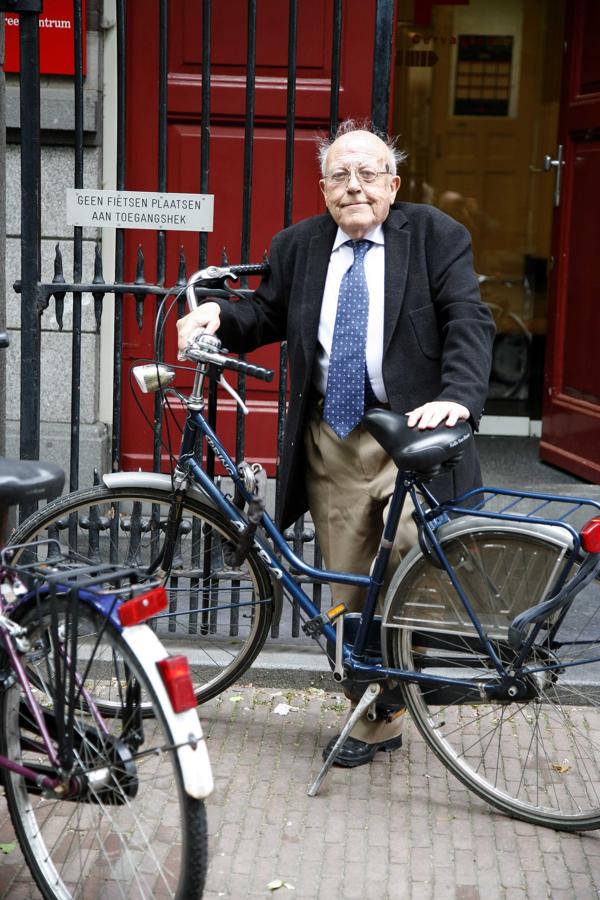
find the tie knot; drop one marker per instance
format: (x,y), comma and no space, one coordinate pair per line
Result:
(360,248)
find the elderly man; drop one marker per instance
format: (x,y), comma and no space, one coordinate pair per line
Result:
(380,306)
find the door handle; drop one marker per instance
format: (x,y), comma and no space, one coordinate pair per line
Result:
(548,164)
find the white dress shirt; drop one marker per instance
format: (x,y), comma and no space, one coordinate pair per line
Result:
(342,257)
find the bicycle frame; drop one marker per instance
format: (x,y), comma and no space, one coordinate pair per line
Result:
(353,656)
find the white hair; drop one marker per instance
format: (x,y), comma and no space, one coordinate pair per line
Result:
(395,157)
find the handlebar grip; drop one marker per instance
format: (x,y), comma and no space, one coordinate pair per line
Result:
(238,365)
(4,341)
(250,269)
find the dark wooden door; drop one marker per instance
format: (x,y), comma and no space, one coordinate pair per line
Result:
(571,414)
(228,99)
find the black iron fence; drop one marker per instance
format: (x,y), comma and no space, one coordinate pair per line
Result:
(37,296)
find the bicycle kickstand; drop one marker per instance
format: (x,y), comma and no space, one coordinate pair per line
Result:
(370,695)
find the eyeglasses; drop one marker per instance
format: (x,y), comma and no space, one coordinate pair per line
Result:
(363,174)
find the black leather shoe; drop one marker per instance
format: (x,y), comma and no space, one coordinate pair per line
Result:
(357,753)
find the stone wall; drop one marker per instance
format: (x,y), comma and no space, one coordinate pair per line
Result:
(57,122)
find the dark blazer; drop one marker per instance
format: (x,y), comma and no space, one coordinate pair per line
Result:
(438,333)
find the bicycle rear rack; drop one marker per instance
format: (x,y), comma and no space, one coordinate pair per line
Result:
(505,504)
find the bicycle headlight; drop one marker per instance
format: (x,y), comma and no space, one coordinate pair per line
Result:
(153,377)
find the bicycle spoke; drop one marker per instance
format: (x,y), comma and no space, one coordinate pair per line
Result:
(220,616)
(537,757)
(106,831)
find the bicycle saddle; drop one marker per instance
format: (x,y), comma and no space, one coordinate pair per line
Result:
(22,480)
(424,453)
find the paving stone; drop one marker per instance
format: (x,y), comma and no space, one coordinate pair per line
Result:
(466,870)
(557,872)
(466,892)
(381,832)
(537,885)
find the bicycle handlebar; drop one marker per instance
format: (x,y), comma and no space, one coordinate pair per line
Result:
(217,276)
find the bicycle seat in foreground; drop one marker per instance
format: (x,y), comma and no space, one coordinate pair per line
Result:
(424,453)
(23,480)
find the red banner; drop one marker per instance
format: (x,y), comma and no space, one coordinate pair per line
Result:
(57,55)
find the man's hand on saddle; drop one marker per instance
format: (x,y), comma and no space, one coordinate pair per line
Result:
(206,318)
(430,415)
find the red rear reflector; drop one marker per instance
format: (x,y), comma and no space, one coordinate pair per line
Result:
(140,608)
(590,535)
(175,672)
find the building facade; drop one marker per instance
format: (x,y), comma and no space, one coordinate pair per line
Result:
(497,103)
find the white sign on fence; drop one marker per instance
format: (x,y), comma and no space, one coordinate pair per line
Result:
(140,209)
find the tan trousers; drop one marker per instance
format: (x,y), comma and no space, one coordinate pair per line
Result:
(350,483)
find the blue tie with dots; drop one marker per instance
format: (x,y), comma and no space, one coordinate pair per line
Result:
(345,396)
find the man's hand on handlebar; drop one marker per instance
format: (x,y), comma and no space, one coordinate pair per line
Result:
(206,318)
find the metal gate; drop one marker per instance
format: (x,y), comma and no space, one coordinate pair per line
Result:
(36,296)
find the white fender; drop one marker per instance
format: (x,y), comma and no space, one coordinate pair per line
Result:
(152,480)
(185,727)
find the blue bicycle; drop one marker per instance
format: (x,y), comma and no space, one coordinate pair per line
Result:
(489,633)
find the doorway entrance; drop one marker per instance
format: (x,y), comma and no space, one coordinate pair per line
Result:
(250,167)
(571,416)
(476,101)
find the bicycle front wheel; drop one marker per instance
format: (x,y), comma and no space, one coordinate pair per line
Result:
(120,824)
(538,757)
(218,616)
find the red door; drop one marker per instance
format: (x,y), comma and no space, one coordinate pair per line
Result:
(571,414)
(228,99)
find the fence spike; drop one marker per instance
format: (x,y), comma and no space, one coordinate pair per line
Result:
(224,257)
(59,296)
(181,280)
(140,278)
(182,272)
(98,279)
(98,273)
(59,308)
(59,277)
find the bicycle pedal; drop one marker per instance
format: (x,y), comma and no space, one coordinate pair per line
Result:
(315,625)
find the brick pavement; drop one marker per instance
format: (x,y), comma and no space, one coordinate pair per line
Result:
(399,828)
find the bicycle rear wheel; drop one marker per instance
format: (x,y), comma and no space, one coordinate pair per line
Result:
(126,827)
(219,617)
(537,758)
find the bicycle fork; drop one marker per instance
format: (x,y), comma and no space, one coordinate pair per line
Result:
(164,560)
